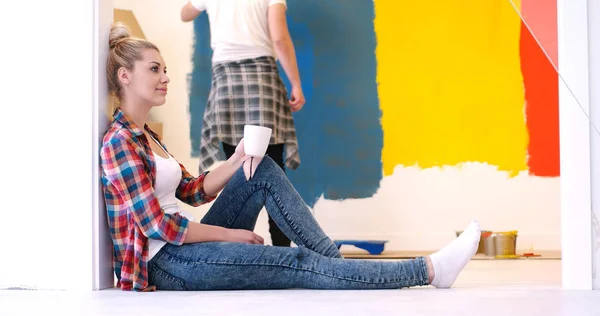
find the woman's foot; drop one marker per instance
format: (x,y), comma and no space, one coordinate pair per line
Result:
(445,265)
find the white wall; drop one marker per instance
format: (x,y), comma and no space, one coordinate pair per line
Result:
(46,161)
(421,209)
(103,275)
(594,64)
(575,144)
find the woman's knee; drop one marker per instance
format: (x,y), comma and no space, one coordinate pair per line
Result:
(268,165)
(264,167)
(269,161)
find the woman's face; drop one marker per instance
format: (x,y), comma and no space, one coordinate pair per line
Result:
(148,80)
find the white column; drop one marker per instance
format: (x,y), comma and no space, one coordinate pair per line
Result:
(576,232)
(594,63)
(47,151)
(103,276)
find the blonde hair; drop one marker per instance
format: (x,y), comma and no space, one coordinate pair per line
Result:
(124,51)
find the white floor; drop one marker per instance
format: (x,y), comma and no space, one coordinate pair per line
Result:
(485,288)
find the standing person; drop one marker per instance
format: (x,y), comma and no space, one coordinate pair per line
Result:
(159,246)
(247,36)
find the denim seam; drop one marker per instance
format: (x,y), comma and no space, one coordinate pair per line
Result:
(232,219)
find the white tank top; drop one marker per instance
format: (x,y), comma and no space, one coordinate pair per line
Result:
(168,177)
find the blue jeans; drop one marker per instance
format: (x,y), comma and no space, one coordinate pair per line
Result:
(315,264)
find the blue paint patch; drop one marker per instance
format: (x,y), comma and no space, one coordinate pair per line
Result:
(339,129)
(199,81)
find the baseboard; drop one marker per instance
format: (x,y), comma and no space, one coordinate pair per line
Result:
(526,242)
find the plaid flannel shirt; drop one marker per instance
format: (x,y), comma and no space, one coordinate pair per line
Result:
(134,214)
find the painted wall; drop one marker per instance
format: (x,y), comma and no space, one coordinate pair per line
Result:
(420,121)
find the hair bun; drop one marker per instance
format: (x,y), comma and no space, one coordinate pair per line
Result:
(118,33)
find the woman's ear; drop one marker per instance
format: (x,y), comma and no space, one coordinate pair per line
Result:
(124,76)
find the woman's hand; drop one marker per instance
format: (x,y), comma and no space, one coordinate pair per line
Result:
(240,155)
(240,152)
(216,180)
(243,236)
(297,99)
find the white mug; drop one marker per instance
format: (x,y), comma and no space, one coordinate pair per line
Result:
(256,140)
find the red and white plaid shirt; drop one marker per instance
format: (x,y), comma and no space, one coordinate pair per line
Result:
(134,214)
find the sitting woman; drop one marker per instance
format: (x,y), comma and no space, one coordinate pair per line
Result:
(157,245)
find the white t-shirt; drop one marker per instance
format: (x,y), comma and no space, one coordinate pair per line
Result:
(238,28)
(168,177)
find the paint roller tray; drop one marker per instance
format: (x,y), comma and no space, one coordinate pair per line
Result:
(374,247)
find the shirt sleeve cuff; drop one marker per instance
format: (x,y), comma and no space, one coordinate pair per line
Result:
(198,4)
(183,223)
(272,2)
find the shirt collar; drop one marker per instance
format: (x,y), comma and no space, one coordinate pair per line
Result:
(120,117)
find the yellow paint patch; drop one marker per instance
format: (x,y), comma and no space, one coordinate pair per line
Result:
(450,84)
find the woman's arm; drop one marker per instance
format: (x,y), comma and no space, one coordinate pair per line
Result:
(203,189)
(192,10)
(198,232)
(282,42)
(216,180)
(286,53)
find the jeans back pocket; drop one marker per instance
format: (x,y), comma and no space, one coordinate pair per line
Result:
(164,280)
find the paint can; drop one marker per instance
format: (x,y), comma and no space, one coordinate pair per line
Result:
(505,244)
(481,247)
(489,248)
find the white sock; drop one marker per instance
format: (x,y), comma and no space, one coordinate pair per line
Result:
(250,167)
(450,260)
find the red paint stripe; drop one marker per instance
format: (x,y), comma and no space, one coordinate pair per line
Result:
(541,95)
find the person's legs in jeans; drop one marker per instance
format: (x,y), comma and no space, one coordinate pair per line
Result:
(241,201)
(239,266)
(278,238)
(315,263)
